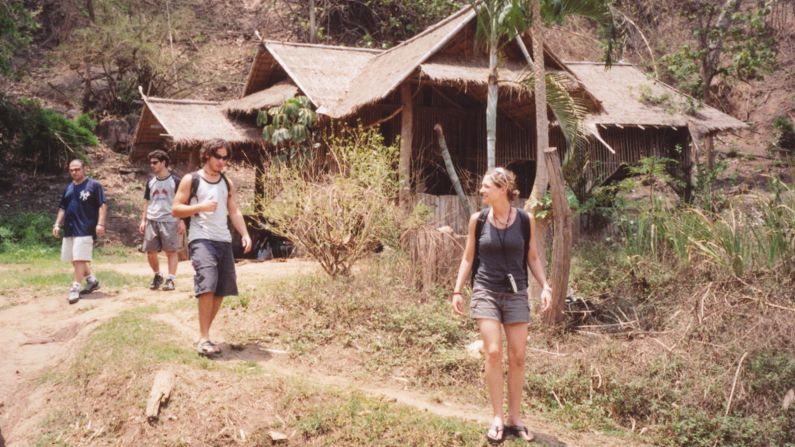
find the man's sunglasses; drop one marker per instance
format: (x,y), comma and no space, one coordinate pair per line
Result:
(154,162)
(221,158)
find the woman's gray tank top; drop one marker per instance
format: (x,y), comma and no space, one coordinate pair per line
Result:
(212,226)
(498,259)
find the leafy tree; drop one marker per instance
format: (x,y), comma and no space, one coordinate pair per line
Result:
(373,23)
(123,47)
(731,39)
(17,25)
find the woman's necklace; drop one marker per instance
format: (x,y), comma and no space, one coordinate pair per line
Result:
(504,225)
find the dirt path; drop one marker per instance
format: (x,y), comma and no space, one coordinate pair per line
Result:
(41,334)
(275,362)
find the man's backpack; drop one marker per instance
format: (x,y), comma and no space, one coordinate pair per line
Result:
(524,220)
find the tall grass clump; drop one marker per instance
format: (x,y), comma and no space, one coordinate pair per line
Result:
(756,235)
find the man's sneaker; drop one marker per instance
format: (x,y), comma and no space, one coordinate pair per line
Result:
(156,281)
(168,285)
(74,295)
(91,286)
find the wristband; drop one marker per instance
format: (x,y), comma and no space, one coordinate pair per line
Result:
(56,226)
(101,225)
(548,288)
(456,293)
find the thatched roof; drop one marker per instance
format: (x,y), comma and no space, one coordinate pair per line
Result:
(324,73)
(387,70)
(192,120)
(271,96)
(630,98)
(473,72)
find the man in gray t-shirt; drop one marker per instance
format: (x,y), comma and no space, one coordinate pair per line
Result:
(161,230)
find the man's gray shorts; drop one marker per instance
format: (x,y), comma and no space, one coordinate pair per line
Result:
(507,308)
(160,236)
(214,264)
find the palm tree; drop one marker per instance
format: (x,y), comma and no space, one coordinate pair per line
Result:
(497,19)
(557,11)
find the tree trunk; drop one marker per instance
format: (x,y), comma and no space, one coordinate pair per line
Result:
(406,138)
(491,100)
(91,14)
(542,132)
(711,58)
(540,96)
(448,164)
(562,240)
(312,22)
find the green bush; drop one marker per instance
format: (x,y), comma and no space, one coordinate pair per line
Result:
(41,138)
(339,213)
(784,134)
(27,232)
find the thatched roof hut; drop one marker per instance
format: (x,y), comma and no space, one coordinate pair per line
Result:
(185,124)
(440,76)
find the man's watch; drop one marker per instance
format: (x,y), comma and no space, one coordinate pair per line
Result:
(55,225)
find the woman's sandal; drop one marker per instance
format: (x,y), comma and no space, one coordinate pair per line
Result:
(521,432)
(207,348)
(499,434)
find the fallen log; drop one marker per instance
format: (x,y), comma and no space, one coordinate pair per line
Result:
(161,392)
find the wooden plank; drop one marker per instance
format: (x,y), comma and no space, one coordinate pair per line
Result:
(161,392)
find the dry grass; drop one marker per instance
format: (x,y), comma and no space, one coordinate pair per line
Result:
(434,256)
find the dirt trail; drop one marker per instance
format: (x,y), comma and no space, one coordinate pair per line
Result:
(41,333)
(276,363)
(44,332)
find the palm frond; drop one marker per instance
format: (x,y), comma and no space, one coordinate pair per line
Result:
(568,110)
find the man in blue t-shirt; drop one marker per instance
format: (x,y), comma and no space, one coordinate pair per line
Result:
(81,214)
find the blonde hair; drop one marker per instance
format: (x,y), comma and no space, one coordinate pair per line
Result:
(504,178)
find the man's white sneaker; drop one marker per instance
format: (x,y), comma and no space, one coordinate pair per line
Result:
(74,295)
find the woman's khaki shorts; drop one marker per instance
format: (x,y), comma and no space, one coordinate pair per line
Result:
(507,308)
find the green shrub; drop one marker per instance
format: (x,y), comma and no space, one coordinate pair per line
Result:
(26,231)
(784,134)
(42,138)
(337,213)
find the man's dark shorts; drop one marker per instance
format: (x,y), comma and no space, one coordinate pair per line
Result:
(214,264)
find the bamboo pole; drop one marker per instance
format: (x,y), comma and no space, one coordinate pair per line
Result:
(561,242)
(448,164)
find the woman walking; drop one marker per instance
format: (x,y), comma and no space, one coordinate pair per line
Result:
(500,247)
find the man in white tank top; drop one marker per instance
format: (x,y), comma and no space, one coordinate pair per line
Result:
(209,238)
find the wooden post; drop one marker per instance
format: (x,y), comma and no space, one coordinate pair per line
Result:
(709,149)
(448,164)
(561,243)
(259,182)
(406,138)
